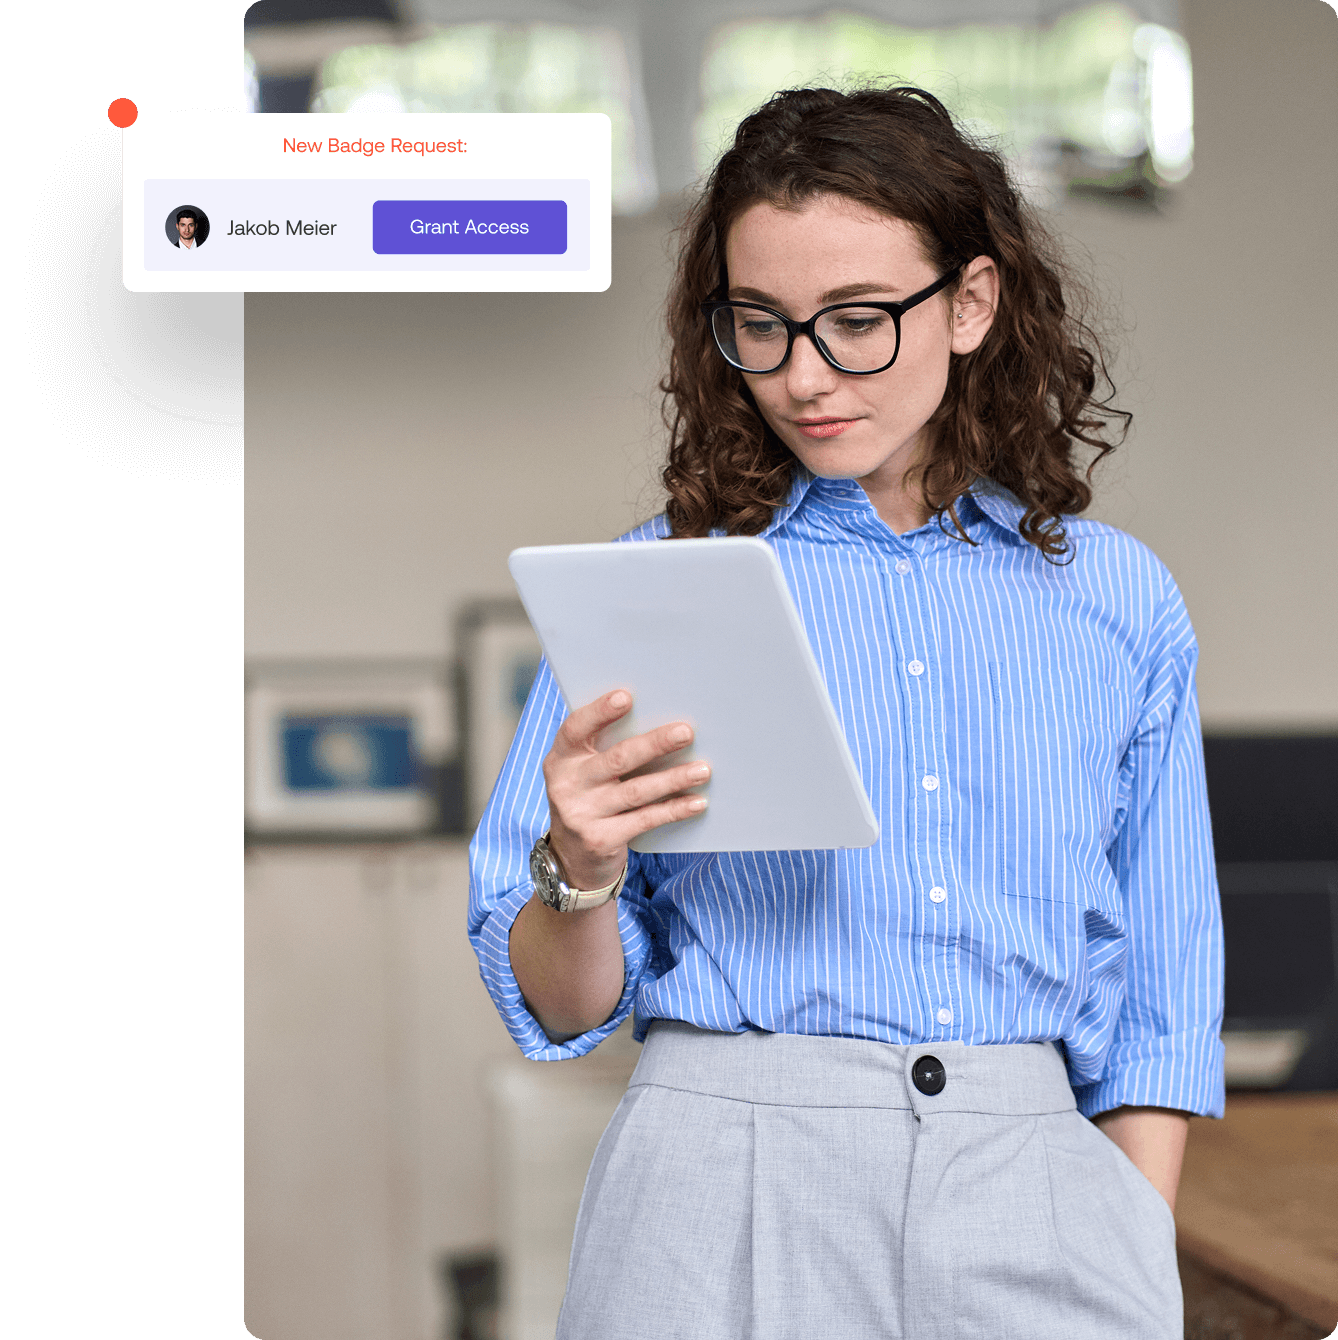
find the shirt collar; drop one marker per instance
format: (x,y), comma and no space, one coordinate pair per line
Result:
(996,504)
(984,500)
(799,486)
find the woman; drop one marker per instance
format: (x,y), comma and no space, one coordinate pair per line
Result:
(939,1087)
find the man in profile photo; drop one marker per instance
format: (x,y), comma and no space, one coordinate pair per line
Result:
(187,222)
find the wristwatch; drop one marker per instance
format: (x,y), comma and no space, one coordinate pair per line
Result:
(555,892)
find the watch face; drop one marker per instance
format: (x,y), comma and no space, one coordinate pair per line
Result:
(541,872)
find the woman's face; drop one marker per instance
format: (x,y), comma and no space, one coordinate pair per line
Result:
(835,250)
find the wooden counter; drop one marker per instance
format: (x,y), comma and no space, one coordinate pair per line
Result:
(1258,1199)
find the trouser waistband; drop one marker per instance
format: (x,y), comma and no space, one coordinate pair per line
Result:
(798,1070)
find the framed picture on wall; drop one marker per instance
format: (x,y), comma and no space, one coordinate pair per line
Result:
(499,654)
(350,748)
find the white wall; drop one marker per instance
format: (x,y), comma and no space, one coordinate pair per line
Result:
(390,1121)
(1232,471)
(368,1042)
(399,446)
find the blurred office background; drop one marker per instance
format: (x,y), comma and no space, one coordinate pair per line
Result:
(399,446)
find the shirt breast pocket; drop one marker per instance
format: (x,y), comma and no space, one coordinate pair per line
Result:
(1057,734)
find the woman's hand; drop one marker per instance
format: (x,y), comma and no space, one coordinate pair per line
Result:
(596,807)
(1154,1140)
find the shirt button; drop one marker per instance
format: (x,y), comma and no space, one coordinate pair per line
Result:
(916,667)
(945,1016)
(937,895)
(929,783)
(903,566)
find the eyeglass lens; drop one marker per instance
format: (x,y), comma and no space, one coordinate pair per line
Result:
(859,339)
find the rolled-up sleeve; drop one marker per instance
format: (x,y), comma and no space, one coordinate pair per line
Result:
(1166,1049)
(499,882)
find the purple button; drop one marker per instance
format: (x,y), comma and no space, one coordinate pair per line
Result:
(469,227)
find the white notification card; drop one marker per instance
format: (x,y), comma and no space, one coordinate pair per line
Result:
(407,202)
(705,631)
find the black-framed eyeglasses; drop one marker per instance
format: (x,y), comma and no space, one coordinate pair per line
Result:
(857,337)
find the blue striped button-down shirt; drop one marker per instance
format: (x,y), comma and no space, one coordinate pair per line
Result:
(1028,734)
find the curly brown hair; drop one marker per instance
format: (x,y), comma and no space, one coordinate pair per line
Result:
(1015,408)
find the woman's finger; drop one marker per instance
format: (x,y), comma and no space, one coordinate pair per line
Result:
(635,822)
(637,792)
(626,756)
(580,731)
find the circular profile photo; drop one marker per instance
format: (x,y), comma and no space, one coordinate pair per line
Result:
(187,227)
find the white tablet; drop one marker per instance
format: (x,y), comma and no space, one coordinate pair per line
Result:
(705,631)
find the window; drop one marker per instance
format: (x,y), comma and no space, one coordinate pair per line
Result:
(251,82)
(1097,101)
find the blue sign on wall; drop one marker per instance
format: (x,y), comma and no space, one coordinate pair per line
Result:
(348,753)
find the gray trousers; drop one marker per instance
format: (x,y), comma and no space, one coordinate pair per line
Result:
(766,1186)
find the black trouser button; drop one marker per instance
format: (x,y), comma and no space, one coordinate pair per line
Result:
(928,1074)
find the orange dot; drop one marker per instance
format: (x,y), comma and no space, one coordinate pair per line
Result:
(122,113)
